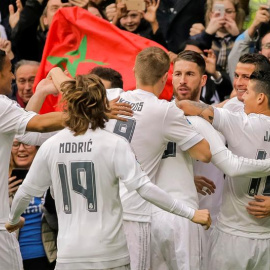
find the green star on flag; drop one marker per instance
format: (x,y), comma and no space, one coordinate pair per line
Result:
(72,59)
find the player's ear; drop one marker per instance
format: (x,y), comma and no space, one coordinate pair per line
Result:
(165,77)
(203,80)
(261,98)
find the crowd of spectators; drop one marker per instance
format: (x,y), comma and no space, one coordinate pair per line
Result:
(178,25)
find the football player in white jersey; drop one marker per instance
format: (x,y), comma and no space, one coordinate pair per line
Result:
(154,123)
(247,64)
(84,163)
(175,242)
(14,120)
(239,235)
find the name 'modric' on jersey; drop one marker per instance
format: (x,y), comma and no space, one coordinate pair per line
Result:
(75,147)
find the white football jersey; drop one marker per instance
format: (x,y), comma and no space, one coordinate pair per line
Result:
(13,119)
(155,123)
(217,143)
(234,105)
(248,136)
(84,172)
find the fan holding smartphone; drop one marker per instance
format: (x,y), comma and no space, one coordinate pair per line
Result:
(30,237)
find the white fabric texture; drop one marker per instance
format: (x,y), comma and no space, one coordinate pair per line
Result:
(13,120)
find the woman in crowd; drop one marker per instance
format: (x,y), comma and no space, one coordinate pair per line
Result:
(221,30)
(30,236)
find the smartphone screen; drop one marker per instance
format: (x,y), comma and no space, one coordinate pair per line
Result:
(19,173)
(220,8)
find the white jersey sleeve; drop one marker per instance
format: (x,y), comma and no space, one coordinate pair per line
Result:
(35,138)
(230,124)
(214,138)
(127,167)
(234,105)
(13,117)
(177,129)
(235,166)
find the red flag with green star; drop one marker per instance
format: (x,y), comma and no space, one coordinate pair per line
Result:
(78,41)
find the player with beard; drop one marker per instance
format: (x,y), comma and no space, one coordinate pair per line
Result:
(175,242)
(238,234)
(84,163)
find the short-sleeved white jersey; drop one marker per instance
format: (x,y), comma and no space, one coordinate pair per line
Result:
(248,136)
(234,105)
(13,119)
(155,123)
(84,172)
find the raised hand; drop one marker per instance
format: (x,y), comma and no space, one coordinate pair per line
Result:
(14,17)
(210,61)
(196,29)
(231,26)
(215,23)
(111,11)
(5,45)
(47,87)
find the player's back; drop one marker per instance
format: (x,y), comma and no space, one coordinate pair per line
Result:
(89,210)
(154,123)
(248,136)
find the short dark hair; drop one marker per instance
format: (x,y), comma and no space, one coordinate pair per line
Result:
(191,56)
(261,38)
(262,80)
(110,75)
(2,59)
(193,42)
(258,60)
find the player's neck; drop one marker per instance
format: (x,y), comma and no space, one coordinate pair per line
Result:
(264,111)
(150,88)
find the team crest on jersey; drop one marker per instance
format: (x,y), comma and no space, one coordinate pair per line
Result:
(189,122)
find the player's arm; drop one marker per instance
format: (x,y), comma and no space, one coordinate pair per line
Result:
(201,151)
(193,108)
(46,122)
(19,204)
(260,207)
(44,88)
(163,200)
(235,166)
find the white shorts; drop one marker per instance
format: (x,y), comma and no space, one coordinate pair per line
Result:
(138,242)
(10,255)
(175,243)
(125,267)
(228,252)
